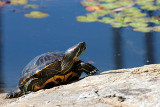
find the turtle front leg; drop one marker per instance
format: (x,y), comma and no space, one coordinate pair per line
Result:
(87,68)
(14,94)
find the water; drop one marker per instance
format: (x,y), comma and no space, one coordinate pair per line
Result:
(109,48)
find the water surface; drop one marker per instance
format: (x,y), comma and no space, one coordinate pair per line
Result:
(109,48)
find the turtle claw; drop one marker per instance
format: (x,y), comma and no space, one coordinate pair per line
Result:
(93,72)
(10,95)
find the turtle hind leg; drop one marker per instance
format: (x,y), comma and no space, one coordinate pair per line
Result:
(89,69)
(14,94)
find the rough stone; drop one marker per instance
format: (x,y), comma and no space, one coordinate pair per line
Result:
(136,87)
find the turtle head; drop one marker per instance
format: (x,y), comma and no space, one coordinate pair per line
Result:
(71,54)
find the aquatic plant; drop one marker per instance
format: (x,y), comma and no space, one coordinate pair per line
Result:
(123,13)
(36,14)
(19,2)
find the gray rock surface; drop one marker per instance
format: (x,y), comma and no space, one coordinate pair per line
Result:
(136,87)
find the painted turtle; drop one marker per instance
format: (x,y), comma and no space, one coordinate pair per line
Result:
(51,69)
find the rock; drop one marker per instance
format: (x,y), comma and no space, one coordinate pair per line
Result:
(136,87)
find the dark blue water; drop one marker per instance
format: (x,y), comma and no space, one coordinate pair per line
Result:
(109,48)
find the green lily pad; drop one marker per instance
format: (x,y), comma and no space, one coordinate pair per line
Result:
(150,7)
(36,14)
(89,3)
(143,29)
(144,2)
(127,19)
(155,19)
(136,15)
(106,20)
(87,19)
(137,24)
(118,25)
(119,19)
(140,20)
(156,28)
(120,14)
(132,10)
(124,2)
(19,2)
(99,13)
(109,6)
(33,6)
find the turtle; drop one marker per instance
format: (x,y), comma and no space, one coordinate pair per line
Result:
(52,69)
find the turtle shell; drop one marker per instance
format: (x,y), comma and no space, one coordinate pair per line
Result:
(38,63)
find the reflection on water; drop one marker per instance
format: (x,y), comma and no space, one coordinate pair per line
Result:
(149,40)
(117,48)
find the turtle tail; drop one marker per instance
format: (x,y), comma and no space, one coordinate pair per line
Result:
(14,94)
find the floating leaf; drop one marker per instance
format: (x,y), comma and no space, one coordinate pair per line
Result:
(86,19)
(19,2)
(106,20)
(156,28)
(98,13)
(136,15)
(143,29)
(124,2)
(36,14)
(155,19)
(33,6)
(127,19)
(137,24)
(110,6)
(120,14)
(119,19)
(150,7)
(89,3)
(94,8)
(132,10)
(140,20)
(144,2)
(118,25)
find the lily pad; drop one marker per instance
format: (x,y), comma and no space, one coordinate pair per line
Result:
(136,15)
(144,2)
(109,6)
(143,29)
(19,2)
(137,24)
(132,10)
(98,13)
(155,19)
(127,19)
(119,19)
(106,20)
(150,7)
(36,14)
(140,20)
(124,2)
(118,25)
(89,3)
(86,19)
(156,28)
(33,6)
